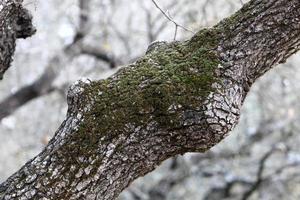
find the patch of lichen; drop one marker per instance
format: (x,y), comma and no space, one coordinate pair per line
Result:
(158,87)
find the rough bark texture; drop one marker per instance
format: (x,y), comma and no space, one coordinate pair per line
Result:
(180,97)
(15,22)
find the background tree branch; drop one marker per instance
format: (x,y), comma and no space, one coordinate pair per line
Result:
(44,84)
(15,22)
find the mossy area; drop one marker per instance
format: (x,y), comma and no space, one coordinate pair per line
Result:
(158,87)
(227,26)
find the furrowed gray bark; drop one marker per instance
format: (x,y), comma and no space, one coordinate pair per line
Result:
(180,97)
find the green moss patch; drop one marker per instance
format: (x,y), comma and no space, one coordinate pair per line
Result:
(158,87)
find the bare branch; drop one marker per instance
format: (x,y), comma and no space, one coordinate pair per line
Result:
(171,20)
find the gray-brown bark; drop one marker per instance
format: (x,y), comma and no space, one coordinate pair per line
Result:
(180,97)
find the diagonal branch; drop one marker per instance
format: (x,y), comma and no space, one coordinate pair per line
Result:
(180,97)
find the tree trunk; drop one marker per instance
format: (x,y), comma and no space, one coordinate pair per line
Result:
(180,97)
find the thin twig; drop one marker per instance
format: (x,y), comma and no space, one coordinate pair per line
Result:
(171,20)
(35,2)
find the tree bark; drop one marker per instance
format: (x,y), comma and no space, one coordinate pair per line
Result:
(180,97)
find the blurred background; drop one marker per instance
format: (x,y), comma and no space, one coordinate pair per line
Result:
(91,39)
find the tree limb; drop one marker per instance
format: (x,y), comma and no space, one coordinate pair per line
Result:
(180,97)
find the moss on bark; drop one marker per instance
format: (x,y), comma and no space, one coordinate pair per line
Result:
(172,78)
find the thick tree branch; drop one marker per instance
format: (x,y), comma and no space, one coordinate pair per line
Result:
(259,36)
(180,97)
